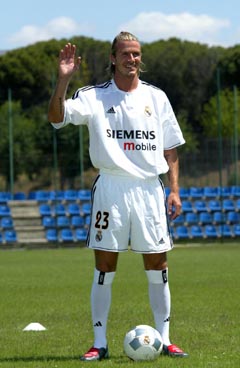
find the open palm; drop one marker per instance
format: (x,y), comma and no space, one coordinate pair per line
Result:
(68,63)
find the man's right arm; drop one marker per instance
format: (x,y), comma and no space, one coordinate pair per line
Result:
(56,104)
(68,65)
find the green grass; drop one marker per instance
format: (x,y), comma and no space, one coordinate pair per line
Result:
(52,287)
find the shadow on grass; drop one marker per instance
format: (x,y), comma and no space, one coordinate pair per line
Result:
(39,358)
(28,359)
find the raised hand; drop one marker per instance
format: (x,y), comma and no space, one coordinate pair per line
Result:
(68,62)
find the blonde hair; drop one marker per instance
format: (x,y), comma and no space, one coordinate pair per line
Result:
(122,36)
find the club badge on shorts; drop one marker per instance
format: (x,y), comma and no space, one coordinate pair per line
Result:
(98,236)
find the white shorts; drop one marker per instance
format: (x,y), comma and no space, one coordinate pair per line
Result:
(129,212)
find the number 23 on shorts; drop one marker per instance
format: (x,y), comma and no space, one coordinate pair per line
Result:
(102,220)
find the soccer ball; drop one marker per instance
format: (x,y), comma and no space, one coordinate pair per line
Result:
(143,342)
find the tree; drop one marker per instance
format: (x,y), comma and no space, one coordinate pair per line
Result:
(184,70)
(229,66)
(190,137)
(25,154)
(209,117)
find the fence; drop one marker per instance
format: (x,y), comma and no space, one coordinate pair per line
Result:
(210,165)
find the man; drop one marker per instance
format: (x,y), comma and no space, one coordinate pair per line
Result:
(133,138)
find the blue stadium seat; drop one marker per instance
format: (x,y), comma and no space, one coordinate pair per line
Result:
(77,221)
(210,231)
(32,195)
(1,238)
(42,196)
(233,217)
(167,191)
(225,230)
(237,205)
(5,197)
(181,232)
(171,230)
(81,234)
(52,235)
(19,196)
(228,205)
(57,196)
(187,206)
(236,230)
(205,218)
(179,220)
(7,223)
(225,192)
(10,236)
(63,221)
(70,195)
(87,220)
(73,209)
(214,205)
(196,231)
(211,192)
(66,235)
(5,210)
(49,221)
(59,209)
(218,218)
(196,192)
(45,209)
(86,208)
(200,206)
(84,195)
(184,193)
(235,190)
(191,218)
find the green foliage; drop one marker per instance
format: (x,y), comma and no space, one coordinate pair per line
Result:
(25,152)
(96,56)
(183,70)
(223,114)
(229,65)
(24,72)
(188,134)
(186,71)
(68,140)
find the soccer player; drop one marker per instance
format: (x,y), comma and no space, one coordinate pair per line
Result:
(134,137)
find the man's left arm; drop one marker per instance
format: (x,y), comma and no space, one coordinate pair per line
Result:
(173,201)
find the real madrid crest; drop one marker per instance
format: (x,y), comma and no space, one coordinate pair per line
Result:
(147,111)
(98,236)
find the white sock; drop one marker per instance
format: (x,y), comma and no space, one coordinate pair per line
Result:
(160,301)
(100,304)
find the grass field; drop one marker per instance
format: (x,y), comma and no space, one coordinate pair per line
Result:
(52,287)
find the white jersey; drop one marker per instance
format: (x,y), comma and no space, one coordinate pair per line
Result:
(128,131)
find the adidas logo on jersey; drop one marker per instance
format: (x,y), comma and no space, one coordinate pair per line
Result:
(111,111)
